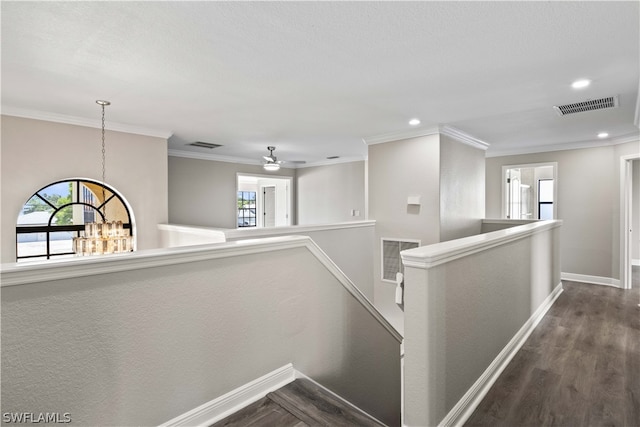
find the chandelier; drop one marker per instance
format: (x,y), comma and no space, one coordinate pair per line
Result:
(106,237)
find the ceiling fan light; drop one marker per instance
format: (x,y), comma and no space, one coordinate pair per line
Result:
(271,167)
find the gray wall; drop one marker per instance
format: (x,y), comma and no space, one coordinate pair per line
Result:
(329,193)
(462,180)
(203,192)
(588,203)
(449,178)
(36,153)
(141,347)
(399,169)
(350,248)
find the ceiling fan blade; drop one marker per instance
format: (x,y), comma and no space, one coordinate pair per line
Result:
(297,162)
(268,158)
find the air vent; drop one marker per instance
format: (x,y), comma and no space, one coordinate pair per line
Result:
(204,144)
(333,157)
(590,105)
(391,260)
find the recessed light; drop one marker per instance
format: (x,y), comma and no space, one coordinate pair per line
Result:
(579,84)
(414,122)
(603,135)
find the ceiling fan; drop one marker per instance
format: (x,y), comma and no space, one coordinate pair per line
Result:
(272,162)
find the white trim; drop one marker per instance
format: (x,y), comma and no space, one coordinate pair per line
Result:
(440,253)
(329,162)
(635,262)
(243,396)
(340,398)
(462,410)
(229,403)
(397,136)
(497,152)
(173,152)
(594,280)
(213,157)
(447,130)
(83,121)
(15,274)
(463,137)
(636,117)
(245,233)
(626,201)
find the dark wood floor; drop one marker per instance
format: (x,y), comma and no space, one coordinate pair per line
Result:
(580,367)
(300,403)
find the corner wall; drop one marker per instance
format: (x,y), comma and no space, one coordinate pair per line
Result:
(397,170)
(462,176)
(36,153)
(203,192)
(588,203)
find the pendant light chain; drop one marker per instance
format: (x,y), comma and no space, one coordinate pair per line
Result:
(106,237)
(104,205)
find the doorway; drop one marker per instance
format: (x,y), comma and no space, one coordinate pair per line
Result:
(269,206)
(529,191)
(629,226)
(270,202)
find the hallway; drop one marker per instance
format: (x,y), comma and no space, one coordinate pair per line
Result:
(580,367)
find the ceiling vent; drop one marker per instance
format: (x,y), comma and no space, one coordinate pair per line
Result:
(204,145)
(590,105)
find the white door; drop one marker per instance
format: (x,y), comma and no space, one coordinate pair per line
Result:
(269,206)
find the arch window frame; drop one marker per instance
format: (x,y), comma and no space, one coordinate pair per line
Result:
(51,227)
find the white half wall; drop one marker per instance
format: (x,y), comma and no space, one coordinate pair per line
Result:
(143,338)
(465,300)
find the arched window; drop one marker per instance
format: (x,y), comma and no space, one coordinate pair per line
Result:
(55,214)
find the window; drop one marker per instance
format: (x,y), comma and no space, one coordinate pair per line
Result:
(545,199)
(55,214)
(246,208)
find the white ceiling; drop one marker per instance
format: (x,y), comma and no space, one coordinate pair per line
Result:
(316,78)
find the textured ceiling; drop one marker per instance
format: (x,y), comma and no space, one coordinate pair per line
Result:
(316,78)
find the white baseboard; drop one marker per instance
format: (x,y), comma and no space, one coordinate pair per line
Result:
(225,405)
(635,262)
(594,280)
(342,399)
(472,398)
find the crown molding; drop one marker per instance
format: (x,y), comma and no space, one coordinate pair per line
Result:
(589,143)
(396,136)
(447,130)
(636,120)
(330,162)
(463,137)
(213,157)
(245,161)
(82,121)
